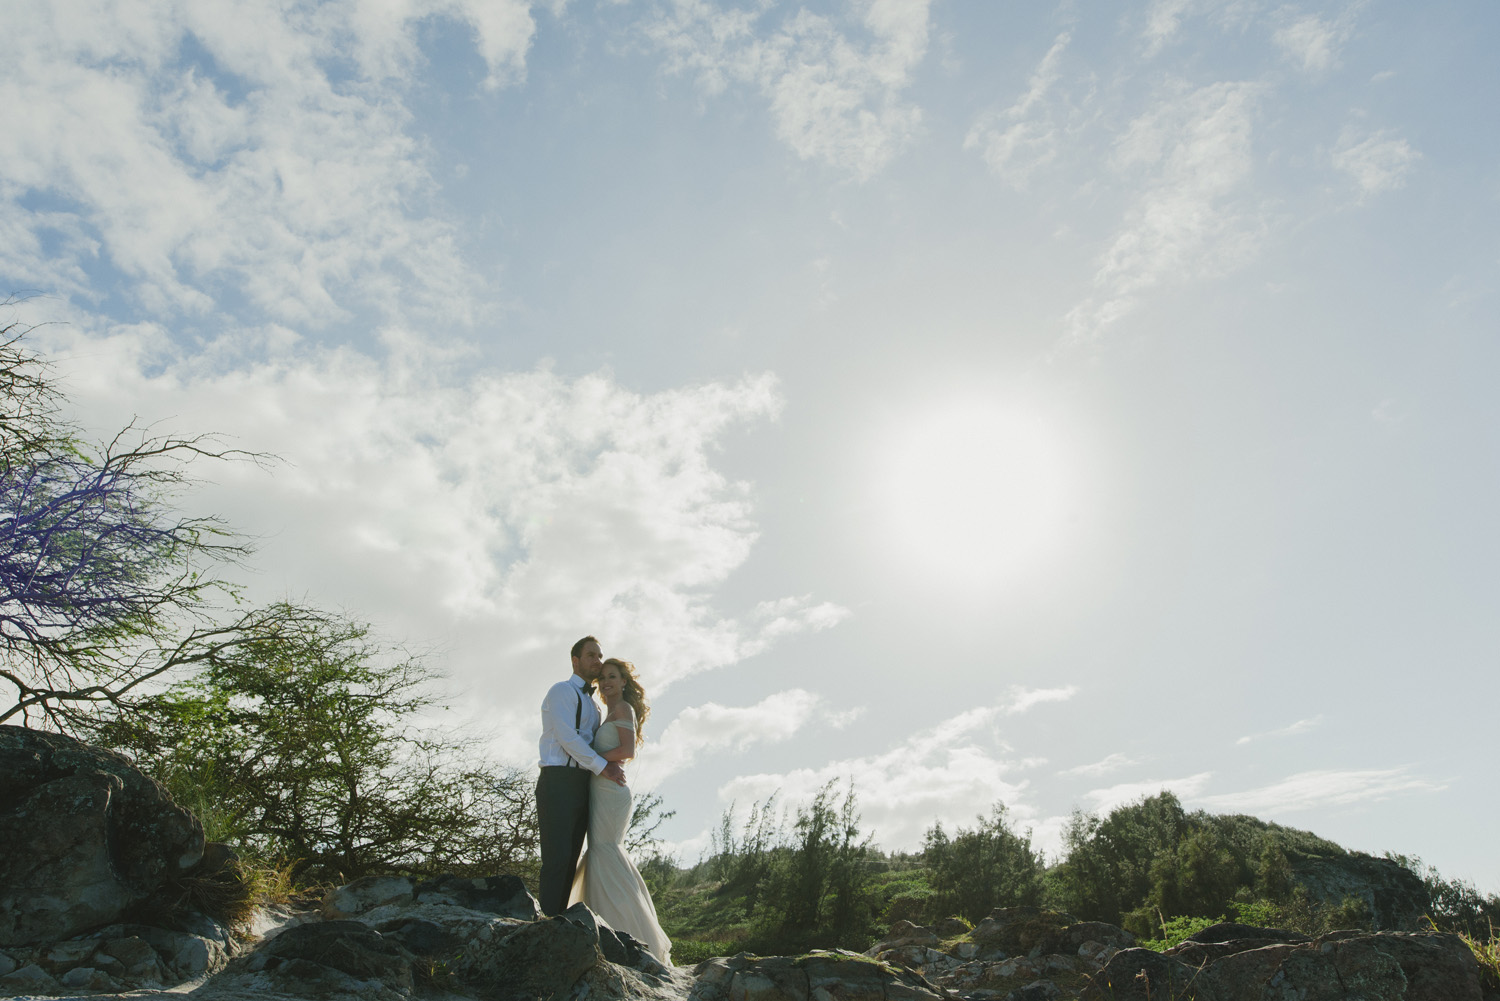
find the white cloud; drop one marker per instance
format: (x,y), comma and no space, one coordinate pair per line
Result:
(1162,21)
(1319,789)
(710,727)
(499,514)
(1104,800)
(1311,42)
(1022,699)
(1301,726)
(835,86)
(949,773)
(1189,221)
(1022,139)
(194,146)
(1377,162)
(1112,763)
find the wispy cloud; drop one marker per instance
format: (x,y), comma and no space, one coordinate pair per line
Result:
(1194,152)
(704,729)
(1020,700)
(946,773)
(1376,162)
(192,147)
(1023,138)
(835,85)
(1301,726)
(1163,19)
(1106,799)
(1319,789)
(1311,42)
(1104,766)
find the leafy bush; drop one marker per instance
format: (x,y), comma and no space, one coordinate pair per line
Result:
(1177,931)
(978,870)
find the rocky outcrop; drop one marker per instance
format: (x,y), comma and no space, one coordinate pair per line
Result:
(1268,965)
(87,837)
(1396,898)
(834,975)
(117,957)
(1015,954)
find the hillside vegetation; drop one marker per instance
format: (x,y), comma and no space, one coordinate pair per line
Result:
(787,881)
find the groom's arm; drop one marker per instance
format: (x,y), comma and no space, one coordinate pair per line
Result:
(558,711)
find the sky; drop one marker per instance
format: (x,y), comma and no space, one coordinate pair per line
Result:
(977,402)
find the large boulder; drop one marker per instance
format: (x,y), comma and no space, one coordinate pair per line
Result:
(1342,966)
(1035,931)
(832,975)
(88,836)
(1396,898)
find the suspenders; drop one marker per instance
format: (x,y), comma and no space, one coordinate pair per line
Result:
(577,724)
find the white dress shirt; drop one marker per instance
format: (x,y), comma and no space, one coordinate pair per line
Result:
(562,742)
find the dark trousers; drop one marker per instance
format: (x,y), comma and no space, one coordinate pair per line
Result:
(562,811)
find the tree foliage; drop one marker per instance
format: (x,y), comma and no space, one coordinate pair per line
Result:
(977,870)
(299,739)
(98,574)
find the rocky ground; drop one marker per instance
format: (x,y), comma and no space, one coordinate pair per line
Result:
(96,859)
(452,939)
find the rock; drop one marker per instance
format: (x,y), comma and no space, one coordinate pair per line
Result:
(365,895)
(89,979)
(1397,899)
(617,946)
(1037,932)
(1041,990)
(951,927)
(29,979)
(903,933)
(1143,975)
(1096,953)
(1242,976)
(71,953)
(138,961)
(539,959)
(506,896)
(347,947)
(87,836)
(1433,967)
(7,964)
(1353,965)
(966,950)
(1231,931)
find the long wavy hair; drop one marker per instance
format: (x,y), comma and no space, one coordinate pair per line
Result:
(633,694)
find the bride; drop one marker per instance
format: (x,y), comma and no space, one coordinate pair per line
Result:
(607,881)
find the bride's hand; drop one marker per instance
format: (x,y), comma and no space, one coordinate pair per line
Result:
(614,772)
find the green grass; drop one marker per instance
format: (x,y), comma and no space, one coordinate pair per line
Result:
(1487,951)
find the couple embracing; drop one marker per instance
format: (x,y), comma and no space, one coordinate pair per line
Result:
(582,790)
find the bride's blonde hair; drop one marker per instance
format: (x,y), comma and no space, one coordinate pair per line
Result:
(633,694)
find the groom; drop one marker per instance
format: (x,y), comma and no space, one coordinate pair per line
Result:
(569,719)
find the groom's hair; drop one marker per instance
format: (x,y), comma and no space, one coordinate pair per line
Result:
(578,647)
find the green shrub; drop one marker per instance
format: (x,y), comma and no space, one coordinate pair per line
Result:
(909,905)
(1177,931)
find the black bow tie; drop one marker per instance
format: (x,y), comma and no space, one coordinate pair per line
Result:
(588,689)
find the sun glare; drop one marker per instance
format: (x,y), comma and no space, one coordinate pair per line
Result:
(977,494)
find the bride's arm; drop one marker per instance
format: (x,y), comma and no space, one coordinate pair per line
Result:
(626,750)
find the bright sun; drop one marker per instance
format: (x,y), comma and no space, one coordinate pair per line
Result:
(977,494)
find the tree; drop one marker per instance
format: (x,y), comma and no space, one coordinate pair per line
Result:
(98,575)
(816,891)
(976,871)
(299,737)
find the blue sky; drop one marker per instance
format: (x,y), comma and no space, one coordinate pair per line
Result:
(981,401)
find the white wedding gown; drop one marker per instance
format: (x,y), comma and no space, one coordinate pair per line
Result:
(607,881)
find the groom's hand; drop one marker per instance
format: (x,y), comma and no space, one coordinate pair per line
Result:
(614,772)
